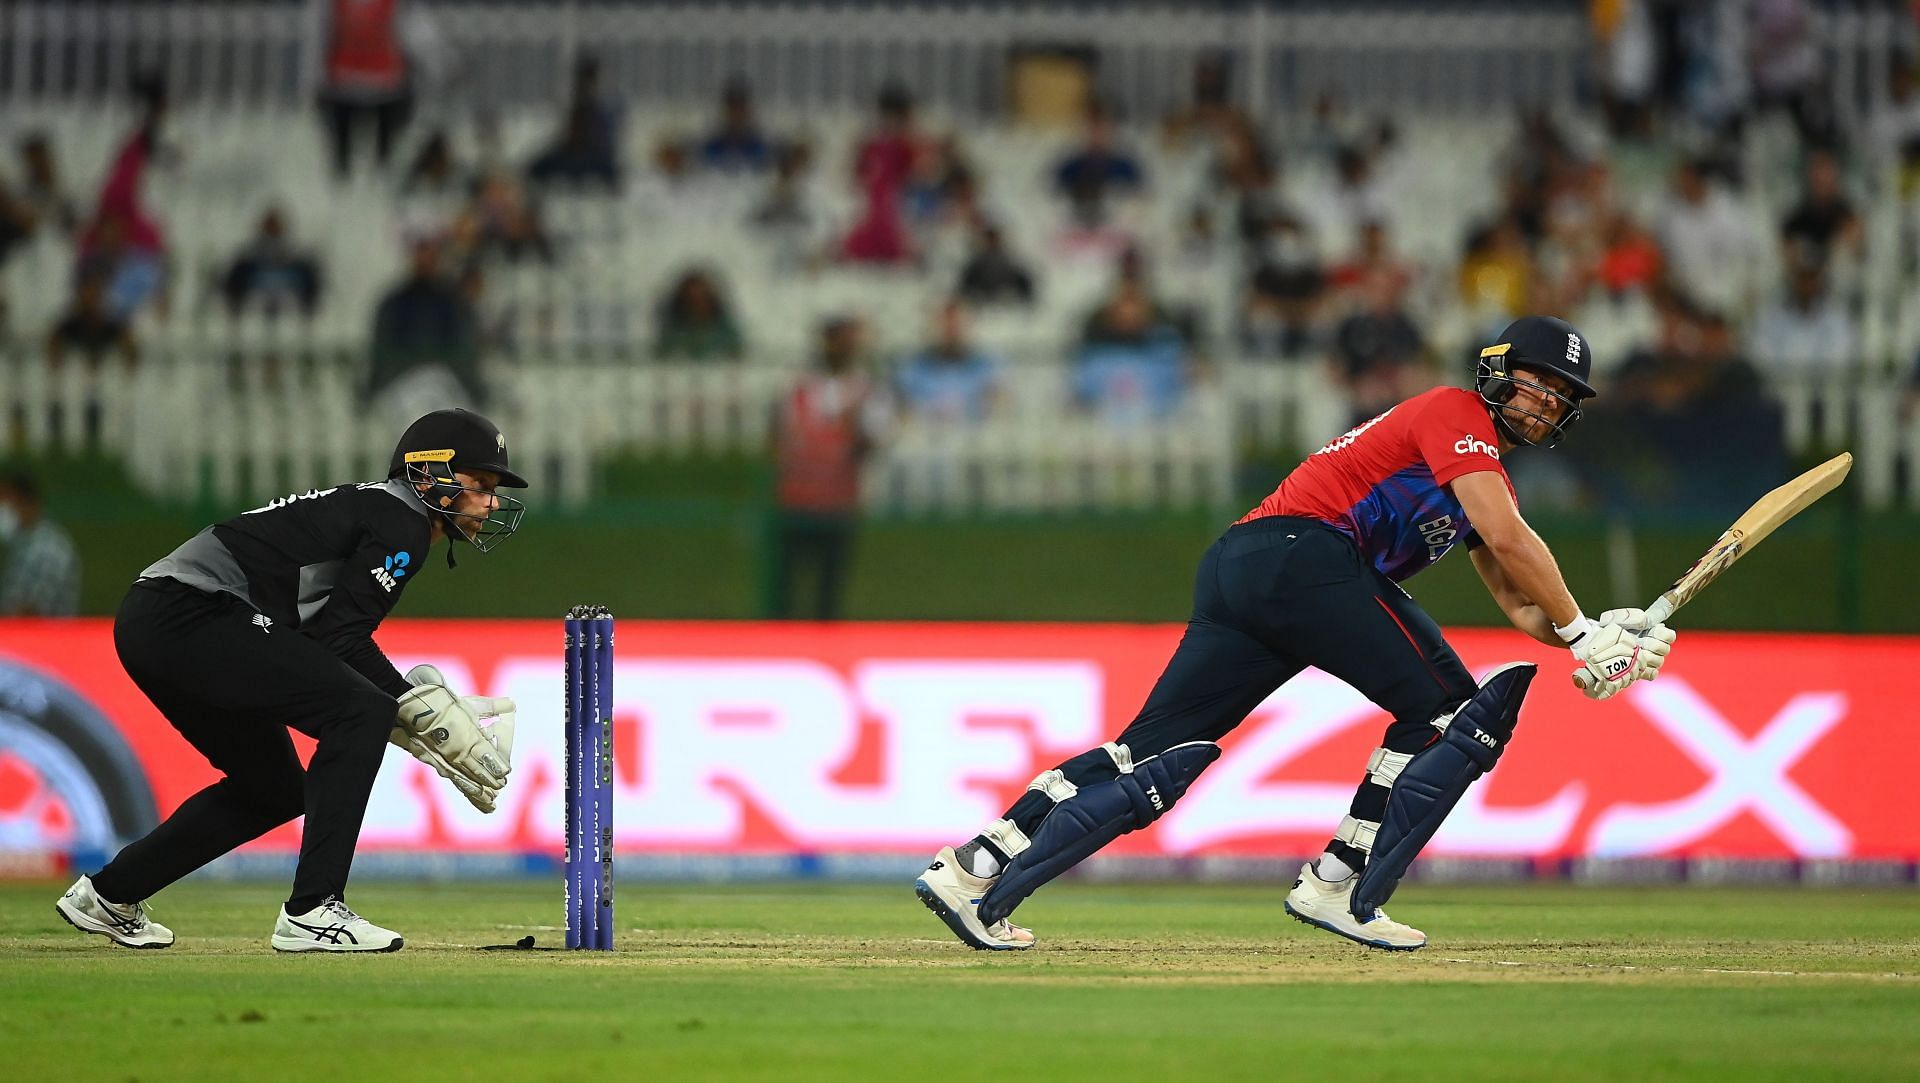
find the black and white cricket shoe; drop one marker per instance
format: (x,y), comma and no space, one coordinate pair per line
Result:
(331,926)
(1323,905)
(953,894)
(126,924)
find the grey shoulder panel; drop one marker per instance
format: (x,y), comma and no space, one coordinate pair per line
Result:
(402,492)
(205,563)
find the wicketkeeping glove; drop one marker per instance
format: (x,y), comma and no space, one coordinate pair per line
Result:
(443,731)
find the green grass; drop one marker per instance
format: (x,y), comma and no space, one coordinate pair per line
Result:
(1155,982)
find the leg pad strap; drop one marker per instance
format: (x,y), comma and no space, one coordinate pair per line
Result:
(1095,816)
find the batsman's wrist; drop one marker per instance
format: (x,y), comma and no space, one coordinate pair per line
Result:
(1579,626)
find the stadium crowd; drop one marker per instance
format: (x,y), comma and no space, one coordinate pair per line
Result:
(1726,280)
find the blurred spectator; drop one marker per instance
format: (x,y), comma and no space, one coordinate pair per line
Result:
(1785,65)
(1378,352)
(587,151)
(17,221)
(90,329)
(40,576)
(502,224)
(950,379)
(1356,199)
(123,243)
(1822,229)
(1804,329)
(1707,241)
(785,206)
(425,343)
(1893,129)
(367,78)
(602,116)
(1629,63)
(673,190)
(1496,273)
(1098,168)
(695,324)
(1132,363)
(271,274)
(434,171)
(885,156)
(1092,232)
(823,432)
(1373,255)
(940,177)
(991,275)
(737,145)
(1629,258)
(1211,117)
(1284,293)
(578,158)
(882,165)
(40,186)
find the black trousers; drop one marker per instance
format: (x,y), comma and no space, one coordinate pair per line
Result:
(345,116)
(816,544)
(232,686)
(1271,598)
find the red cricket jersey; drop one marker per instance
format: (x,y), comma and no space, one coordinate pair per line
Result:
(1385,483)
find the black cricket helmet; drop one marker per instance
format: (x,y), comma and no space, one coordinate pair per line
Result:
(445,443)
(1535,344)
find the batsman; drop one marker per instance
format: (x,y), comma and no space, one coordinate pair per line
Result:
(264,622)
(1311,578)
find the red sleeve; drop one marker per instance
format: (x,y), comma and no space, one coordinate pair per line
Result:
(1455,436)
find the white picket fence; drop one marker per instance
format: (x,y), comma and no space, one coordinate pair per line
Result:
(194,422)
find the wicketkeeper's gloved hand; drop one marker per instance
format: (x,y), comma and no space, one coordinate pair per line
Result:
(443,731)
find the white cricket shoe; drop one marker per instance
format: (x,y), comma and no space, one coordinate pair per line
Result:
(1324,906)
(125,924)
(331,927)
(953,894)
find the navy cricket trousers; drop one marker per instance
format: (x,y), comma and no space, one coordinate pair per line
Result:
(1272,597)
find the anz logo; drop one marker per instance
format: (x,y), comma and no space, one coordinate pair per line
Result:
(391,570)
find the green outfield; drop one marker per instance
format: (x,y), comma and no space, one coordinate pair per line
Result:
(1160,982)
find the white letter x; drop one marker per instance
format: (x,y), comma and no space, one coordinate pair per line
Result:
(1745,775)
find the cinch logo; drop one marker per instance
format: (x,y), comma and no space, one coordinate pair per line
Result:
(1467,445)
(394,568)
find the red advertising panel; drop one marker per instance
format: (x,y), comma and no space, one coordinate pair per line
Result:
(765,738)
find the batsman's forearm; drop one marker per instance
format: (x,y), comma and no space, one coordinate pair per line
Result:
(1528,563)
(1534,621)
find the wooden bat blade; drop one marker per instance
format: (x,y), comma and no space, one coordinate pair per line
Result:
(1758,521)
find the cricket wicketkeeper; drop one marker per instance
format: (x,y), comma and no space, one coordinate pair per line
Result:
(1310,578)
(265,622)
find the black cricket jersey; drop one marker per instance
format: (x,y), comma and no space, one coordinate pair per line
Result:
(329,562)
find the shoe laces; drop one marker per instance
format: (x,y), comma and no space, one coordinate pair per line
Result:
(337,906)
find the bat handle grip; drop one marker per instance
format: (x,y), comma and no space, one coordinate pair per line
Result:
(1582,680)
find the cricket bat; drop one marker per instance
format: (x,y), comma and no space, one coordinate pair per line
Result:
(1753,526)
